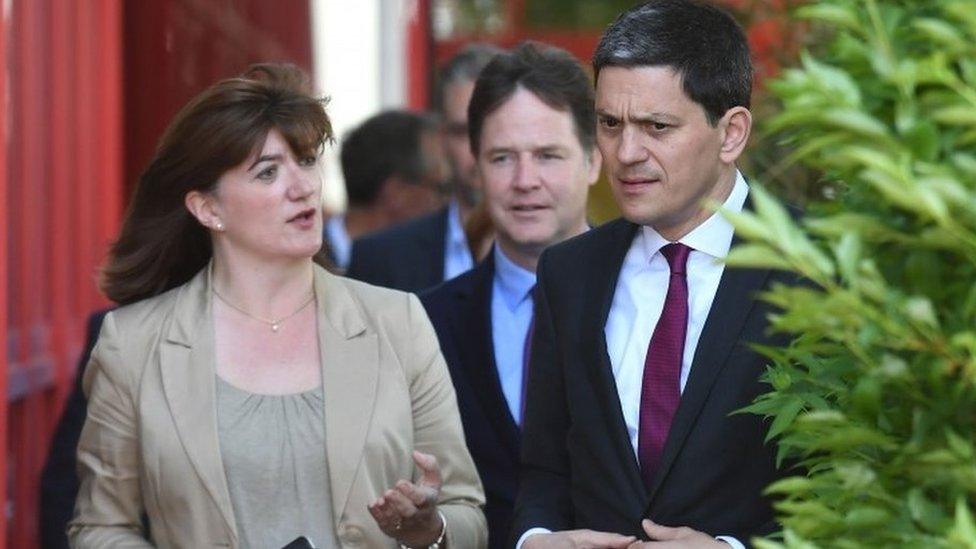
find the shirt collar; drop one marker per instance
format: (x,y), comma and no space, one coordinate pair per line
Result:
(512,281)
(339,240)
(455,230)
(714,236)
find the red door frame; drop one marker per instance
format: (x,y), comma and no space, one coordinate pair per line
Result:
(3,269)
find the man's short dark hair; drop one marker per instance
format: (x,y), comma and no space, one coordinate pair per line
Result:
(466,65)
(703,44)
(386,144)
(551,74)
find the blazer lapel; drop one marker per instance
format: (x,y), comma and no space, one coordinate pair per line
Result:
(734,300)
(349,356)
(187,369)
(477,348)
(598,297)
(430,245)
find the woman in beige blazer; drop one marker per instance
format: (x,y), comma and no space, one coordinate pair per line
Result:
(214,269)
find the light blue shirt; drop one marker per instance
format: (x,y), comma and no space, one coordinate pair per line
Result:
(511,315)
(339,241)
(457,254)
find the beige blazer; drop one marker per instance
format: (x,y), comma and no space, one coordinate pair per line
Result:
(150,442)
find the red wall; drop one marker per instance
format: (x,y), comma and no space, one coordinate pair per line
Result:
(176,48)
(90,86)
(63,175)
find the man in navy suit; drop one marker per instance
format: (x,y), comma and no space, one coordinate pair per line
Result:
(423,252)
(642,343)
(532,133)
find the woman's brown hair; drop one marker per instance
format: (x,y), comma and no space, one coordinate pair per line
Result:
(161,244)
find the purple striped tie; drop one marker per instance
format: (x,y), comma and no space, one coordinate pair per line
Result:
(661,386)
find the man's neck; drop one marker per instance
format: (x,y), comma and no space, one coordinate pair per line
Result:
(359,221)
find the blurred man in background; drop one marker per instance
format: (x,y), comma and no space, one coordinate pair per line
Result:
(426,251)
(532,131)
(394,170)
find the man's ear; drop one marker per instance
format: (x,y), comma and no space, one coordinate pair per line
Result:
(735,126)
(201,206)
(594,163)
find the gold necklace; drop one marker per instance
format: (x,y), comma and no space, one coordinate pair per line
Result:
(275,323)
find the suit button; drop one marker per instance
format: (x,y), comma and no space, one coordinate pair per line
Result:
(353,535)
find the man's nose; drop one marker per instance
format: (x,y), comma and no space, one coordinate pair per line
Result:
(631,149)
(526,176)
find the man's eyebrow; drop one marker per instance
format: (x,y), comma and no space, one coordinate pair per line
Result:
(265,158)
(641,117)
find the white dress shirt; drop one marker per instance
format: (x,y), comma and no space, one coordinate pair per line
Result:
(638,301)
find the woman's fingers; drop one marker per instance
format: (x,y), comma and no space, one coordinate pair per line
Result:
(430,471)
(421,496)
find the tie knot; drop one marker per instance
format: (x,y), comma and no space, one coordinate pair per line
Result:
(677,256)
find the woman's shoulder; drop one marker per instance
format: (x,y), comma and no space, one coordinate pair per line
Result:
(146,314)
(382,309)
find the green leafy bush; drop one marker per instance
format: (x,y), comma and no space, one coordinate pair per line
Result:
(876,396)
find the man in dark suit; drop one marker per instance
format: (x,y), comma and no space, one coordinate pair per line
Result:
(641,344)
(532,133)
(59,479)
(394,169)
(423,252)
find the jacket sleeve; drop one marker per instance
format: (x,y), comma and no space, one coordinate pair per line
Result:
(437,431)
(544,496)
(109,506)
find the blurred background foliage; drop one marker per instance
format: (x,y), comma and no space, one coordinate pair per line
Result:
(876,397)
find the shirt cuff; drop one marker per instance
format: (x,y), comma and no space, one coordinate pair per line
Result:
(736,544)
(534,531)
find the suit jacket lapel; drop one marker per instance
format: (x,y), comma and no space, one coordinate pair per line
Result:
(478,353)
(601,283)
(349,356)
(734,300)
(187,368)
(430,272)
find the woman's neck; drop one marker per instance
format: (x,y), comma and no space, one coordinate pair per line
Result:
(265,289)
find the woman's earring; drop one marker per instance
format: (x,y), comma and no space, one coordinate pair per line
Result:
(219,226)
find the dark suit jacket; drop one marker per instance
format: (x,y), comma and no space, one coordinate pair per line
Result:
(460,310)
(579,469)
(59,479)
(408,256)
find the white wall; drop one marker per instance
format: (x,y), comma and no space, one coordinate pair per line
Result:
(359,62)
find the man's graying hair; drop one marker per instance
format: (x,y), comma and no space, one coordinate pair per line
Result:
(465,65)
(701,43)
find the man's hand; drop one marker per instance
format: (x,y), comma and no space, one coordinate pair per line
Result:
(408,512)
(578,539)
(665,537)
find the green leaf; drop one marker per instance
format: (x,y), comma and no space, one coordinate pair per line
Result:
(963,530)
(757,256)
(841,16)
(940,32)
(784,417)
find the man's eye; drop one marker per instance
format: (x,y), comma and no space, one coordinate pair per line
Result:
(498,159)
(610,123)
(308,161)
(659,126)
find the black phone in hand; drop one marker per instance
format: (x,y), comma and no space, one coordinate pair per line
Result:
(300,542)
